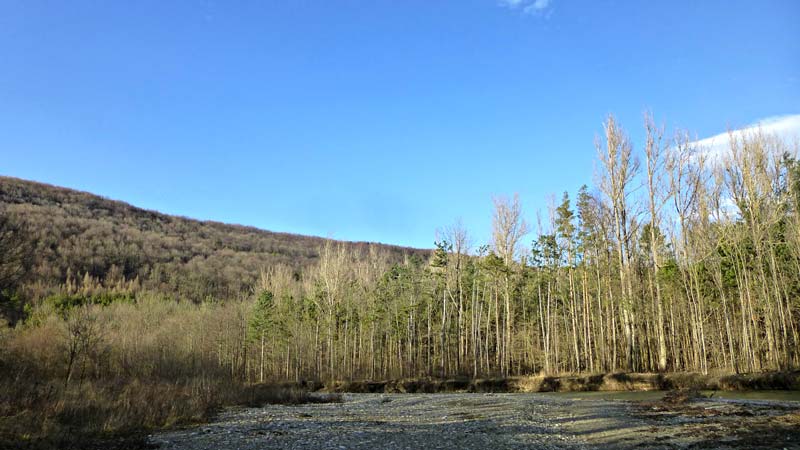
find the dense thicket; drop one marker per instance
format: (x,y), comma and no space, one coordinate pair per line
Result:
(680,259)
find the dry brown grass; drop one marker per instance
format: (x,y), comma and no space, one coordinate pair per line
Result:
(46,414)
(145,367)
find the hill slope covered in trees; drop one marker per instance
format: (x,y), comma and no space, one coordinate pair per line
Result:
(77,235)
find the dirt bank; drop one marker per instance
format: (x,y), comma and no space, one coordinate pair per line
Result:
(578,383)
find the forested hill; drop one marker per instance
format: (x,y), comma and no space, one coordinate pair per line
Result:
(114,242)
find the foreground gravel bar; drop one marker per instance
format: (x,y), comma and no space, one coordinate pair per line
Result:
(492,421)
(385,421)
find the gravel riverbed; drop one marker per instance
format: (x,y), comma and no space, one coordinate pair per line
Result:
(479,421)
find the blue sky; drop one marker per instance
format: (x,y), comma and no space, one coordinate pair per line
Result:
(369,120)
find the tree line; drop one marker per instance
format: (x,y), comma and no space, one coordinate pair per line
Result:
(679,258)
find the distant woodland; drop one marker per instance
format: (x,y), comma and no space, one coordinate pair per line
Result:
(79,239)
(676,259)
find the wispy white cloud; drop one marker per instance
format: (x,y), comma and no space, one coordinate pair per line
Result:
(533,7)
(716,149)
(537,6)
(785,128)
(511,3)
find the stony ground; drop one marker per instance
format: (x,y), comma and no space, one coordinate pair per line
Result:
(493,421)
